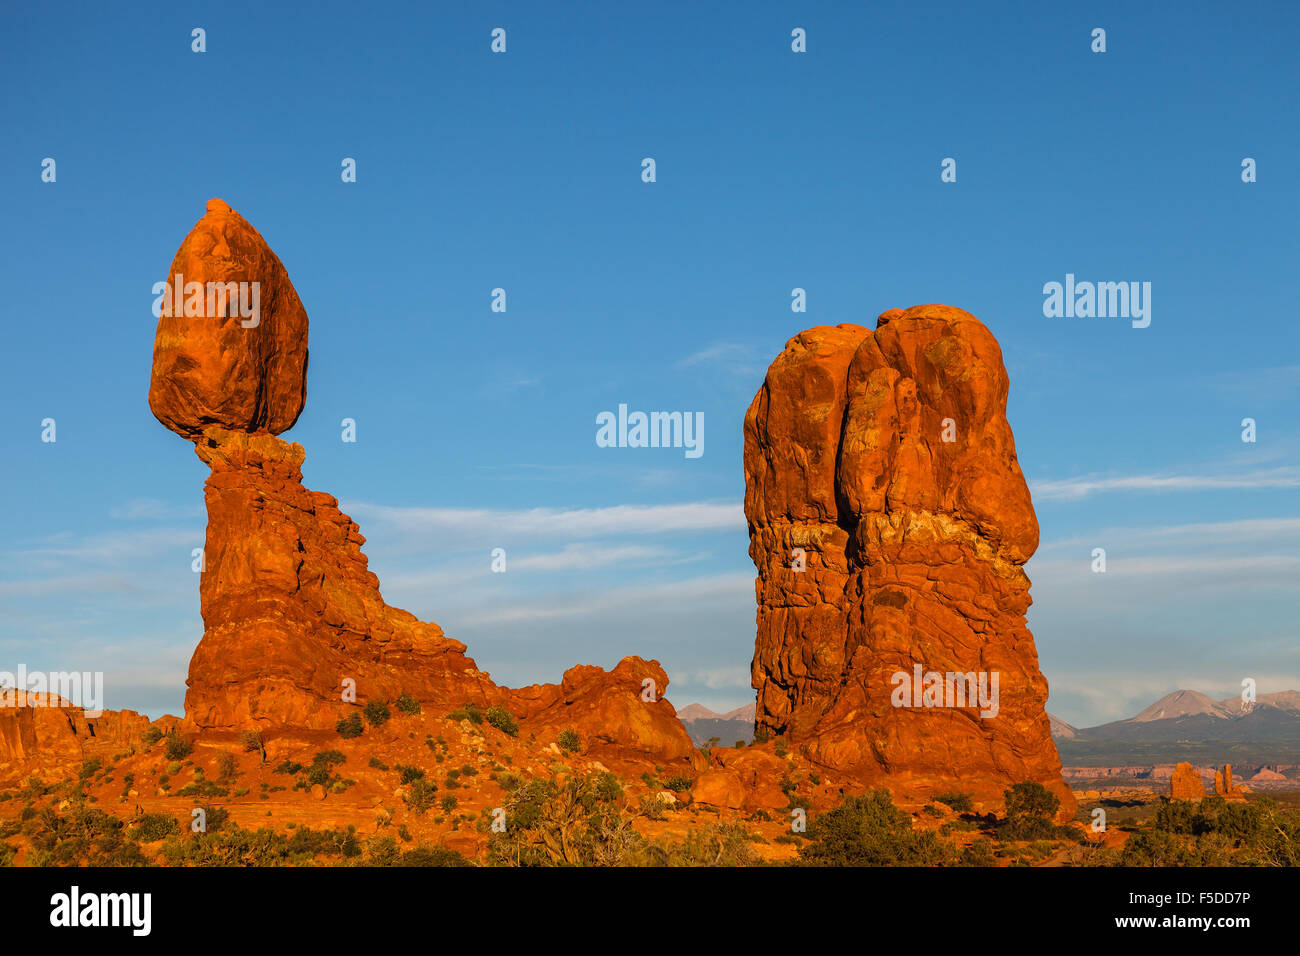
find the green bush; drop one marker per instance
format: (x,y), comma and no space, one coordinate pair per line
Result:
(503,720)
(177,747)
(251,740)
(1031,808)
(155,826)
(151,736)
(350,726)
(469,712)
(407,705)
(376,713)
(569,741)
(869,830)
(420,794)
(959,802)
(409,773)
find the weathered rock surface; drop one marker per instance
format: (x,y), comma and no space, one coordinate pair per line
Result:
(1186,783)
(40,730)
(215,368)
(616,714)
(884,461)
(293,618)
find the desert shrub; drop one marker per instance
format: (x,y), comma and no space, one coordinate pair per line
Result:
(84,837)
(376,713)
(979,853)
(679,783)
(433,856)
(575,823)
(869,830)
(1031,808)
(780,748)
(234,846)
(155,826)
(448,803)
(420,794)
(407,705)
(409,774)
(151,736)
(350,726)
(322,767)
(503,720)
(251,741)
(378,764)
(469,712)
(288,766)
(202,788)
(569,741)
(176,746)
(468,770)
(382,851)
(89,768)
(608,788)
(227,768)
(959,802)
(1155,848)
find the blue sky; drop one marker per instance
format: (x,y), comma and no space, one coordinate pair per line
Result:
(775,170)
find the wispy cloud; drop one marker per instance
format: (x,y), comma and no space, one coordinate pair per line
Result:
(1073,489)
(557,523)
(735,356)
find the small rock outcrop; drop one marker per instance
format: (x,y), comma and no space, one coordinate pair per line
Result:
(1224,787)
(890,523)
(1186,783)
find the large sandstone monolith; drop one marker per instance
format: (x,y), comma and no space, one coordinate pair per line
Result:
(296,632)
(882,464)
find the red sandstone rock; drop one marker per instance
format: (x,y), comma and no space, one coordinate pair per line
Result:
(40,731)
(227,371)
(293,617)
(914,549)
(1224,787)
(610,713)
(1186,783)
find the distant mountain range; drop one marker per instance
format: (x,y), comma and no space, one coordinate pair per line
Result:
(1188,725)
(704,724)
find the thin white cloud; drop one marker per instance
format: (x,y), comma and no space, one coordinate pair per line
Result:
(720,352)
(621,600)
(1074,489)
(552,523)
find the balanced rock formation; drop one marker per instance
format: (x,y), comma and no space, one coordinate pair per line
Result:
(212,365)
(296,632)
(1186,783)
(890,523)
